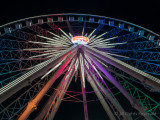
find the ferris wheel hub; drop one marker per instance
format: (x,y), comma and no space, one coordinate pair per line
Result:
(80,40)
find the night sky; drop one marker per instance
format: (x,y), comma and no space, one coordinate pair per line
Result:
(141,12)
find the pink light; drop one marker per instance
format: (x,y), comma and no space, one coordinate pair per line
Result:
(80,40)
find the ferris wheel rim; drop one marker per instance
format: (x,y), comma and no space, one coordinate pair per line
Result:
(92,15)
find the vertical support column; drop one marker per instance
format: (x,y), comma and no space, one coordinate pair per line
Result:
(101,98)
(132,100)
(32,105)
(140,75)
(83,87)
(106,93)
(60,94)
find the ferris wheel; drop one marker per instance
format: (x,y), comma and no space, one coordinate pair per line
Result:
(110,58)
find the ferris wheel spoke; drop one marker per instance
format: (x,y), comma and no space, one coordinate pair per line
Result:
(108,95)
(52,44)
(122,57)
(22,100)
(38,97)
(143,64)
(56,40)
(115,57)
(53,26)
(101,98)
(84,26)
(42,55)
(22,79)
(82,77)
(141,55)
(55,105)
(148,67)
(152,81)
(89,64)
(123,75)
(100,36)
(106,45)
(57,95)
(90,35)
(144,99)
(102,40)
(105,90)
(123,91)
(67,36)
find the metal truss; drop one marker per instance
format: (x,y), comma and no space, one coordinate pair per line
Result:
(50,112)
(137,55)
(145,45)
(98,29)
(151,106)
(12,110)
(112,33)
(120,59)
(126,38)
(102,87)
(15,66)
(144,60)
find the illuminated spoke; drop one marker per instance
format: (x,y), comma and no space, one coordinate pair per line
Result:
(110,58)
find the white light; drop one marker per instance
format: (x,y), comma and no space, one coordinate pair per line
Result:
(80,40)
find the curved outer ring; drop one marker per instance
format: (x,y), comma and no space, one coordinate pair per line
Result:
(86,15)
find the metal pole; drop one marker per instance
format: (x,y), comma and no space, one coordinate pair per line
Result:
(83,87)
(140,75)
(132,100)
(33,103)
(107,94)
(101,98)
(59,95)
(30,78)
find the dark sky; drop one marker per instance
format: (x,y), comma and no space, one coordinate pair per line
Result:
(142,12)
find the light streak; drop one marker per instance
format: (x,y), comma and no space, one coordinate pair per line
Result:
(82,69)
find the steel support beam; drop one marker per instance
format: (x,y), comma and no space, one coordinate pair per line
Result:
(54,96)
(60,94)
(107,94)
(133,101)
(83,86)
(101,98)
(32,105)
(24,80)
(145,45)
(142,76)
(69,26)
